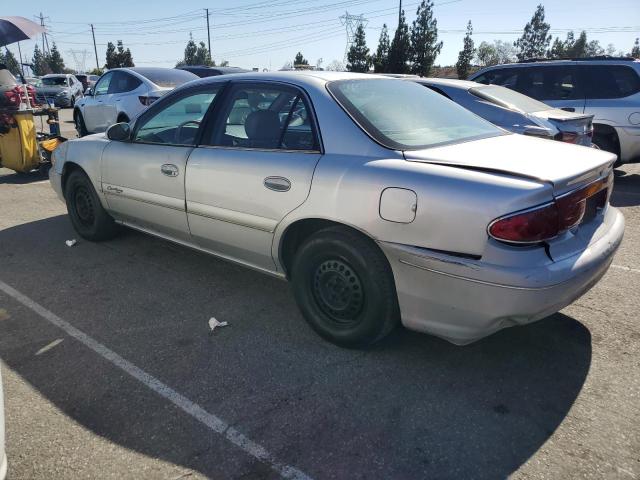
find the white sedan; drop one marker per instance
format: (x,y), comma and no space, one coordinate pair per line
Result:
(122,93)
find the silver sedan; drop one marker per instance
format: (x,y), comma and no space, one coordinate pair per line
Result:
(381,201)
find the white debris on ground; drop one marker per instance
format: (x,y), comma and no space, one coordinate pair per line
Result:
(213,323)
(71,243)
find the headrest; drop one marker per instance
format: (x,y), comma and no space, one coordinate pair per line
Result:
(263,128)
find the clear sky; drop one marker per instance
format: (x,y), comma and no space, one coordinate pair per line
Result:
(266,34)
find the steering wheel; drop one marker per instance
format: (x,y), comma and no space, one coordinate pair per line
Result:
(178,133)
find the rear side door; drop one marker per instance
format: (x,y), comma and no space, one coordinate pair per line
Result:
(92,110)
(123,93)
(613,93)
(556,85)
(254,165)
(143,179)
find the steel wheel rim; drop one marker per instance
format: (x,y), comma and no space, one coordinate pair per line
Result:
(338,292)
(84,206)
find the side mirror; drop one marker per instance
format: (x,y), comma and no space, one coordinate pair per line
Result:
(88,92)
(119,132)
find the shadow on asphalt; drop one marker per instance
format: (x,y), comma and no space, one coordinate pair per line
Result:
(626,189)
(413,406)
(16,178)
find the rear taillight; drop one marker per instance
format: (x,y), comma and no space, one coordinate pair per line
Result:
(569,137)
(549,220)
(146,101)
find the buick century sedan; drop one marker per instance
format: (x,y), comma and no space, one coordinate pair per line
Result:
(381,201)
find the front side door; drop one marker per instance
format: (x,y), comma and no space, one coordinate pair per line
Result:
(253,167)
(93,111)
(143,179)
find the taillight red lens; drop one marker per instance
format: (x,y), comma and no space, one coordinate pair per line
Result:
(569,137)
(529,226)
(146,101)
(549,220)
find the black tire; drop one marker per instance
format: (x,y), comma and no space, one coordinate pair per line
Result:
(122,118)
(72,101)
(88,217)
(344,286)
(81,128)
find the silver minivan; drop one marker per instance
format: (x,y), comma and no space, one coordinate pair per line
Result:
(607,88)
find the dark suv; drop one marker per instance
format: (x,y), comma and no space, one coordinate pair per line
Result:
(608,88)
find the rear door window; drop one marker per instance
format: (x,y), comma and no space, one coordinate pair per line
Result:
(550,83)
(610,81)
(122,82)
(507,77)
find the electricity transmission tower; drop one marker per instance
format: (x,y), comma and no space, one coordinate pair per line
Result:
(351,23)
(79,58)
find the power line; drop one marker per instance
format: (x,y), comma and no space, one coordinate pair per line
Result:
(351,24)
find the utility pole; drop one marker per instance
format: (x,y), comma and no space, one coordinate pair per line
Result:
(399,12)
(43,34)
(208,33)
(21,64)
(95,49)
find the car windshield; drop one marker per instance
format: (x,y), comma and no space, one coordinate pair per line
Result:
(167,77)
(406,116)
(55,81)
(505,97)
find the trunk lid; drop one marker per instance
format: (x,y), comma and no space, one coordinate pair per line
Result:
(576,124)
(563,165)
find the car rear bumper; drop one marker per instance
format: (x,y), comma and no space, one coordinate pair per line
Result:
(463,300)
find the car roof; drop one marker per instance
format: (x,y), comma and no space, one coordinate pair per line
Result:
(298,77)
(51,75)
(530,63)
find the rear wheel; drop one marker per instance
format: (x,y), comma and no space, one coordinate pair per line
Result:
(72,101)
(344,287)
(88,217)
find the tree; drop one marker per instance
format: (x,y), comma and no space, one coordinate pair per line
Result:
(400,48)
(381,57)
(96,71)
(118,57)
(465,57)
(55,61)
(358,56)
(124,56)
(557,49)
(190,52)
(287,66)
(202,56)
(493,54)
(336,66)
(9,60)
(300,60)
(223,63)
(635,51)
(424,39)
(39,63)
(593,49)
(579,47)
(535,38)
(611,50)
(111,60)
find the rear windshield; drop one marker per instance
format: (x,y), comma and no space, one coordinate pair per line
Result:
(406,116)
(169,77)
(54,81)
(508,98)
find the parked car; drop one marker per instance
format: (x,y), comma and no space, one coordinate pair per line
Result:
(379,199)
(34,81)
(606,87)
(12,92)
(122,93)
(61,89)
(204,71)
(88,81)
(513,111)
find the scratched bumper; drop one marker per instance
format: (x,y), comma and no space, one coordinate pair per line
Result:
(463,300)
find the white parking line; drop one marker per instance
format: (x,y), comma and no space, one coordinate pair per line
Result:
(628,269)
(209,420)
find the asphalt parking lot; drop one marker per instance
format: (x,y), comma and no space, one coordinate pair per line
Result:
(110,372)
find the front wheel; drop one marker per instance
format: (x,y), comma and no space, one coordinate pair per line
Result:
(344,286)
(81,128)
(88,217)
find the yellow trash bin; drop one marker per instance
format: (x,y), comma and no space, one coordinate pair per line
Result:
(19,147)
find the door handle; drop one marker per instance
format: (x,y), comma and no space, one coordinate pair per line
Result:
(568,109)
(169,170)
(277,184)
